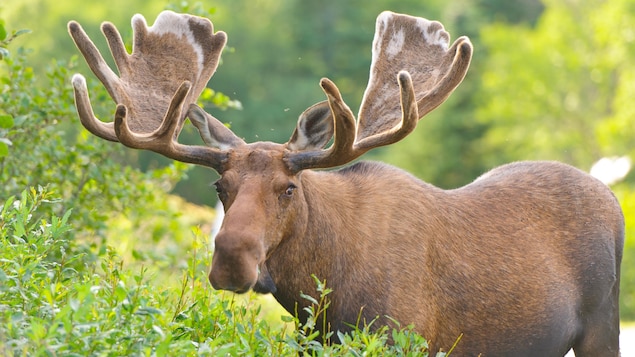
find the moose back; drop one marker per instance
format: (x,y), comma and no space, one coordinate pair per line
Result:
(524,261)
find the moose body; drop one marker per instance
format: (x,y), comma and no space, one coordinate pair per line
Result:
(524,261)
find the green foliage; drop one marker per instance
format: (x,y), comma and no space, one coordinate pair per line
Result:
(565,85)
(363,340)
(6,38)
(54,300)
(317,314)
(626,196)
(6,120)
(197,8)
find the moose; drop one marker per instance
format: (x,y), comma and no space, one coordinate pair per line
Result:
(523,261)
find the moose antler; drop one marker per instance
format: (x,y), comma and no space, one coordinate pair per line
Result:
(413,70)
(170,65)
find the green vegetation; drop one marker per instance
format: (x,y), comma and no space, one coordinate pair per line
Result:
(55,300)
(98,258)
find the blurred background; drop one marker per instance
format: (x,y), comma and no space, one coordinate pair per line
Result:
(550,80)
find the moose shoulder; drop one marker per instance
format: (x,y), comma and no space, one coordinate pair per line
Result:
(524,261)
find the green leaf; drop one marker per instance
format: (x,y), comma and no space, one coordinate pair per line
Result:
(6,121)
(158,330)
(4,149)
(287,318)
(19,231)
(147,310)
(74,303)
(3,32)
(21,32)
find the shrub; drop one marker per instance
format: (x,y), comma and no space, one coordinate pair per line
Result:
(53,300)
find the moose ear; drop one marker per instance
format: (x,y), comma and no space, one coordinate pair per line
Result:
(213,132)
(314,130)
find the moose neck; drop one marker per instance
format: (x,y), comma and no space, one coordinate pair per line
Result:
(342,227)
(328,201)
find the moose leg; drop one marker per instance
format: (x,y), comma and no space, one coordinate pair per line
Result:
(600,336)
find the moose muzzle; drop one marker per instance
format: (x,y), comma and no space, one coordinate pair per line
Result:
(235,263)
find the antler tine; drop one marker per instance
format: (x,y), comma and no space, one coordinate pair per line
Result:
(164,136)
(110,80)
(94,59)
(462,49)
(345,148)
(410,116)
(341,151)
(85,111)
(118,48)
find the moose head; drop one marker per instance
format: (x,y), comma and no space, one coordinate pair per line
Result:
(414,69)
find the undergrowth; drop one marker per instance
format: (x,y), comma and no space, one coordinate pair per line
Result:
(58,300)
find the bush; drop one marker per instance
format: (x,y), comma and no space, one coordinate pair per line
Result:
(56,301)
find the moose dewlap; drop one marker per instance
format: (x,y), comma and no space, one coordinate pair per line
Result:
(524,261)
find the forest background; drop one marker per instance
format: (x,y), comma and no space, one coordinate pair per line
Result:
(550,80)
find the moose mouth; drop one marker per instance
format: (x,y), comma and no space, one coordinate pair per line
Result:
(264,284)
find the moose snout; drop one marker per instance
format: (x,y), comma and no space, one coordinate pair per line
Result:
(234,267)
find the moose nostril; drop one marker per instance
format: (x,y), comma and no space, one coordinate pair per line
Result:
(243,290)
(212,281)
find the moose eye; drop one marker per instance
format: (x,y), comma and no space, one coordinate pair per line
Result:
(289,191)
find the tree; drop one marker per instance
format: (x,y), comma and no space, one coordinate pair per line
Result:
(559,91)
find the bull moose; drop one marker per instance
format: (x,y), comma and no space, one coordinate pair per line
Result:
(524,261)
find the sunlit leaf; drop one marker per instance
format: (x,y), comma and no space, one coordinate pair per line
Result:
(3,32)
(4,149)
(6,121)
(21,32)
